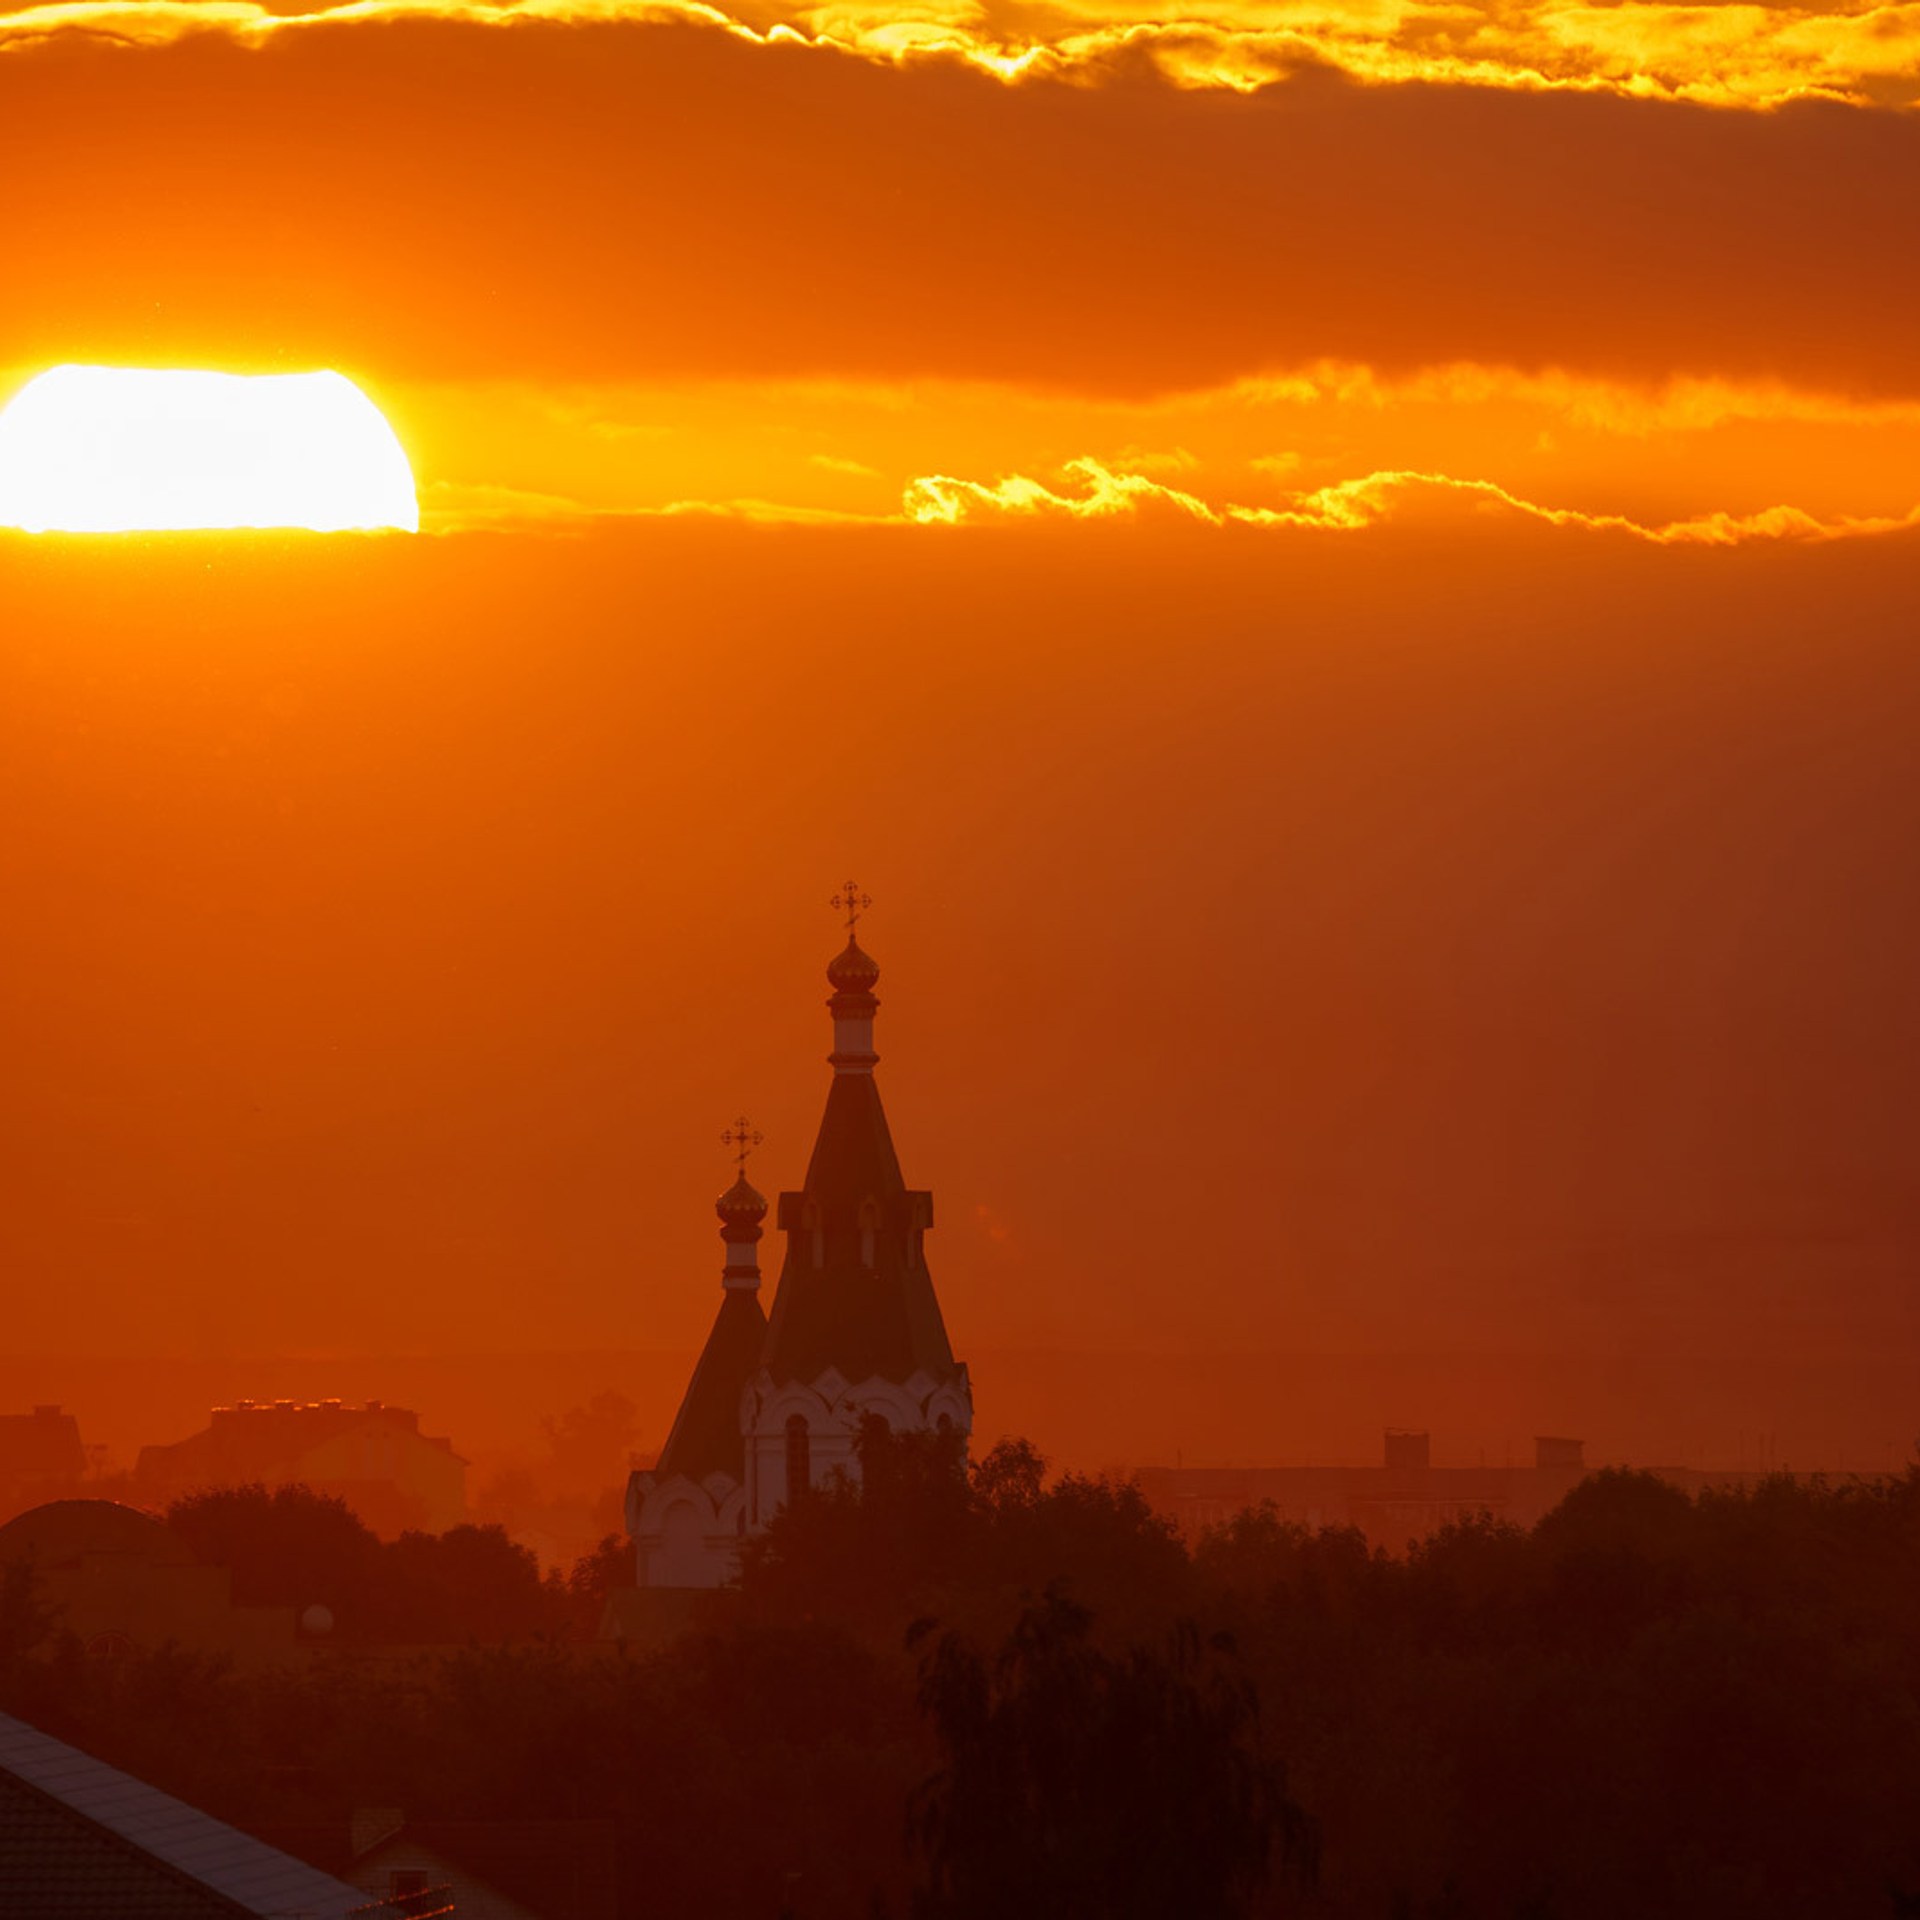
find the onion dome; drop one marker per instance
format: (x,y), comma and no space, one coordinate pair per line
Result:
(741,1204)
(853,971)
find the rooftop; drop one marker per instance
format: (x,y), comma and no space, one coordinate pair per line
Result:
(83,1840)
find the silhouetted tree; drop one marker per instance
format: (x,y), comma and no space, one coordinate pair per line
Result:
(1079,1784)
(592,1578)
(918,1533)
(287,1547)
(874,1548)
(1703,1709)
(469,1583)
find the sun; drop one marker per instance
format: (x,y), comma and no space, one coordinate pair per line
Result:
(127,449)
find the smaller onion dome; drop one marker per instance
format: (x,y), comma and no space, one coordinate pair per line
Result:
(853,971)
(741,1202)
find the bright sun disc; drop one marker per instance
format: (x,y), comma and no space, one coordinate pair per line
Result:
(126,450)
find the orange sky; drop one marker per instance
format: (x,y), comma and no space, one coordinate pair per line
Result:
(1343,578)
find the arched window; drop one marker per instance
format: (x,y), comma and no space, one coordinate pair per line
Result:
(799,1456)
(869,1230)
(816,1235)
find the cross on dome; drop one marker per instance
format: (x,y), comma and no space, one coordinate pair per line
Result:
(743,1136)
(850,901)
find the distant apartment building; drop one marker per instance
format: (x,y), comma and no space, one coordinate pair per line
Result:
(374,1457)
(41,1458)
(1404,1499)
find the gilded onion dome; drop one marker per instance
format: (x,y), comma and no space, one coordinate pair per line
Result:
(853,971)
(741,1203)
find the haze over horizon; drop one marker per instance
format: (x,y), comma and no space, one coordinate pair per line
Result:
(1496,952)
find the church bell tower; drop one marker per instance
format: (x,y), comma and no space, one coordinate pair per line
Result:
(777,1401)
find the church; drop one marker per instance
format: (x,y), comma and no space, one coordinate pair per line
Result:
(777,1399)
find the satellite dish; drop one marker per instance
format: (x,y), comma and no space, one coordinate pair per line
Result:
(317,1619)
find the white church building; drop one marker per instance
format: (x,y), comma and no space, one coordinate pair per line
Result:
(777,1399)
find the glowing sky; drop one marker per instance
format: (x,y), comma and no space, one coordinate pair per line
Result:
(1343,573)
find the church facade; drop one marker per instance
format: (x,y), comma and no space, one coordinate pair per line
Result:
(777,1398)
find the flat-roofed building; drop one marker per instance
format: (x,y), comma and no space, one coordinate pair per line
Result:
(374,1457)
(41,1457)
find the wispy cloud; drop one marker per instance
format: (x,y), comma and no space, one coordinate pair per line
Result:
(462,507)
(837,463)
(1350,506)
(1729,56)
(1090,490)
(1681,404)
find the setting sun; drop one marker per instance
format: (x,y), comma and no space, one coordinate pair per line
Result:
(118,449)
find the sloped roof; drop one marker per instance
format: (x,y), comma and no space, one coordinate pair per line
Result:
(706,1435)
(853,1153)
(60,1533)
(869,1317)
(57,1865)
(869,1322)
(102,1840)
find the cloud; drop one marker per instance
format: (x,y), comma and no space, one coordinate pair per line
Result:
(1729,56)
(938,499)
(428,200)
(467,507)
(834,463)
(1653,455)
(1351,506)
(1682,404)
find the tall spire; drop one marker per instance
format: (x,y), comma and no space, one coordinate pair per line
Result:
(854,1291)
(706,1435)
(852,975)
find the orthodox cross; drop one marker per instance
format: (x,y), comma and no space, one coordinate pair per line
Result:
(743,1136)
(850,901)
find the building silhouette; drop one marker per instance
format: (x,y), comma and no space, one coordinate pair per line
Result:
(122,1581)
(41,1458)
(1403,1500)
(777,1400)
(374,1457)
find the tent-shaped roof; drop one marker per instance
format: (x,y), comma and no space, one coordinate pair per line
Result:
(866,1304)
(706,1436)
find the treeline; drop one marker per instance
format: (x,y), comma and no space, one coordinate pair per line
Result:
(292,1547)
(984,1694)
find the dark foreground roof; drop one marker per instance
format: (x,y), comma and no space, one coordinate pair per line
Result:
(57,1865)
(80,1840)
